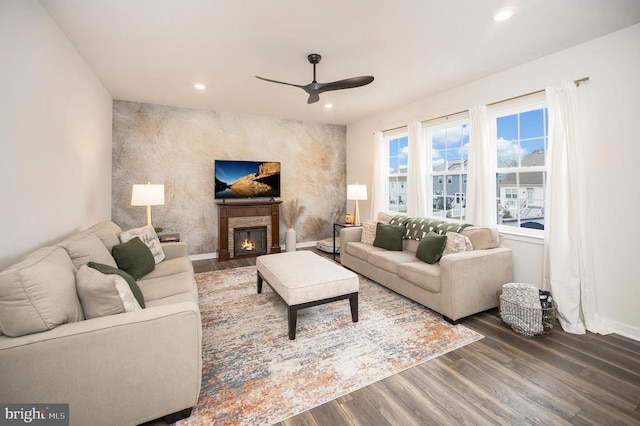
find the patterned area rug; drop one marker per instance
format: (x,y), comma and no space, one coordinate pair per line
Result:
(254,375)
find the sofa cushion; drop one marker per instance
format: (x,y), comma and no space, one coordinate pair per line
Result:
(389,236)
(85,248)
(368,235)
(422,274)
(134,257)
(384,217)
(39,293)
(389,260)
(108,232)
(133,285)
(103,294)
(360,250)
(170,267)
(482,237)
(148,236)
(170,285)
(457,243)
(431,247)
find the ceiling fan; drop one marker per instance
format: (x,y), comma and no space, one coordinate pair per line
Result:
(314,88)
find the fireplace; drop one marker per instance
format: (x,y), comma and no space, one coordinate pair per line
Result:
(248,214)
(249,241)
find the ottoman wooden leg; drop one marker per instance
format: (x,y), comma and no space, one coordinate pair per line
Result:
(259,283)
(293,319)
(353,301)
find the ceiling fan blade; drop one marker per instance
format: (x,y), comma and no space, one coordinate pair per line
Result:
(313,98)
(279,82)
(347,83)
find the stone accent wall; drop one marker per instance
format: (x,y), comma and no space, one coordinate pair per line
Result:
(177,147)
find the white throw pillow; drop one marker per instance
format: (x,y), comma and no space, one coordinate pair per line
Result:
(104,294)
(148,236)
(457,243)
(368,232)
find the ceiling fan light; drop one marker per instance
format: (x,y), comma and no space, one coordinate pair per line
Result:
(328,105)
(503,15)
(199,86)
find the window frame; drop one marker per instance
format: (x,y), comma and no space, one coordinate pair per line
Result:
(387,138)
(445,177)
(519,107)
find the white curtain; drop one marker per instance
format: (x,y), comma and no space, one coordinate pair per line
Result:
(379,188)
(481,180)
(568,270)
(417,178)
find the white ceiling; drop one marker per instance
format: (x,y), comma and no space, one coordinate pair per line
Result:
(153,51)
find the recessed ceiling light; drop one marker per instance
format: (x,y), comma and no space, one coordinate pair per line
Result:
(199,86)
(328,106)
(503,15)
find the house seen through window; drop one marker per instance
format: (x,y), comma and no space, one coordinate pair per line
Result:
(449,154)
(397,174)
(522,140)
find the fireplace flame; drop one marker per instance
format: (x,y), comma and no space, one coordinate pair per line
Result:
(248,245)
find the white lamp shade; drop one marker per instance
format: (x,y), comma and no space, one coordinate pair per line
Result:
(356,192)
(147,195)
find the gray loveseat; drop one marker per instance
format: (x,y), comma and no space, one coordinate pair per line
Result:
(459,285)
(123,369)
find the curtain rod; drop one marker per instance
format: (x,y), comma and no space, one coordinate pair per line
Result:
(576,82)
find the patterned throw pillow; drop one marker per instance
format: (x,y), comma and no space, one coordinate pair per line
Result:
(148,236)
(368,232)
(384,217)
(457,243)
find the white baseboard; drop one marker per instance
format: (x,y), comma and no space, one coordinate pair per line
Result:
(623,329)
(203,256)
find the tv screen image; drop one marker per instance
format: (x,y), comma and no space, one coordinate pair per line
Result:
(247,179)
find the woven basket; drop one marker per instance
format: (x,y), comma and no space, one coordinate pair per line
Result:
(526,320)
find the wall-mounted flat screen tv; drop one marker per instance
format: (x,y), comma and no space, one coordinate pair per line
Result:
(247,179)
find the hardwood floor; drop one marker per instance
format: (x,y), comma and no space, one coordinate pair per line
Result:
(502,379)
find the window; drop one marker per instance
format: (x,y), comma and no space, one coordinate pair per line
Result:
(397,175)
(449,154)
(522,139)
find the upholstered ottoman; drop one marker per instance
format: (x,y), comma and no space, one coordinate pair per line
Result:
(303,279)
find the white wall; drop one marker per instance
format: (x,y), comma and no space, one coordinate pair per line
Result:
(55,134)
(610,112)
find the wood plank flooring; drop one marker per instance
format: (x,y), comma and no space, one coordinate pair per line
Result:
(560,379)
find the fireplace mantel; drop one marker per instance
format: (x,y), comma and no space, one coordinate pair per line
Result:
(227,210)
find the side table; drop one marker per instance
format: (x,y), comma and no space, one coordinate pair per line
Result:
(169,238)
(337,225)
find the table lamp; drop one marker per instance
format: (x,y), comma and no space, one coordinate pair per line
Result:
(147,195)
(356,192)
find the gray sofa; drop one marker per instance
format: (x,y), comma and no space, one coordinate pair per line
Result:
(124,369)
(459,285)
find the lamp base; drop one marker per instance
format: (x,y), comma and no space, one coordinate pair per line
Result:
(356,215)
(147,219)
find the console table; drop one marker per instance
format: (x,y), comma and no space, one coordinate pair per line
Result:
(244,209)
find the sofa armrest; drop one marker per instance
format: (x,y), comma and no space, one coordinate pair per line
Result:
(106,368)
(175,249)
(471,281)
(347,235)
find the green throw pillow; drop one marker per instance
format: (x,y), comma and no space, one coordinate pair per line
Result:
(106,269)
(431,247)
(134,257)
(389,236)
